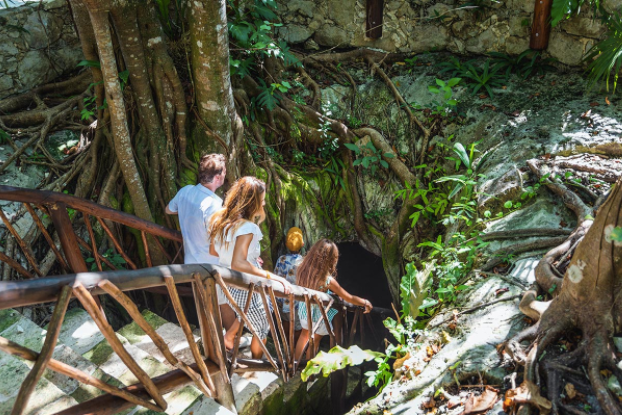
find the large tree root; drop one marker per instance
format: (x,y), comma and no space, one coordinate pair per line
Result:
(588,301)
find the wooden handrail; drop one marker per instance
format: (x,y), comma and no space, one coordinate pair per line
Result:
(44,197)
(43,290)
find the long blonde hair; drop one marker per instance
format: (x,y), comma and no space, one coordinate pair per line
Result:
(319,263)
(244,201)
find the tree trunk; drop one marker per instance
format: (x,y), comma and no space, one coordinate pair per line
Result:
(209,43)
(98,11)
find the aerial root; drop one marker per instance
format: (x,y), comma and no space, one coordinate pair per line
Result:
(531,307)
(598,352)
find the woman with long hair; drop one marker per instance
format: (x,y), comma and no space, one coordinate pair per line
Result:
(235,236)
(317,271)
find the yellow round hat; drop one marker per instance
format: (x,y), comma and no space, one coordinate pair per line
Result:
(293,240)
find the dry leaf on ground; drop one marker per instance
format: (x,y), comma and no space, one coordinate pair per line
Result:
(571,392)
(480,403)
(529,393)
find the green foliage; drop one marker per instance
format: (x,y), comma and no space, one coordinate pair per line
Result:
(411,63)
(337,358)
(369,157)
(89,64)
(271,96)
(445,92)
(378,213)
(251,28)
(605,57)
(485,77)
(616,234)
(4,136)
(414,288)
(383,375)
(115,259)
(528,63)
(564,9)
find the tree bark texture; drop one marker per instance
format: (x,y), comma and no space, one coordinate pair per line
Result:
(209,43)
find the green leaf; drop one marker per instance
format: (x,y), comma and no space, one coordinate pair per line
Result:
(462,154)
(337,358)
(616,234)
(508,204)
(384,164)
(90,64)
(389,155)
(352,147)
(453,82)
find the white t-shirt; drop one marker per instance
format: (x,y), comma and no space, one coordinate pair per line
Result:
(254,250)
(195,205)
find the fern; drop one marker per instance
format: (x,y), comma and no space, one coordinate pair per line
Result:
(563,9)
(269,97)
(605,57)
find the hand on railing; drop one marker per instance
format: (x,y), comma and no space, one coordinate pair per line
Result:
(367,306)
(287,287)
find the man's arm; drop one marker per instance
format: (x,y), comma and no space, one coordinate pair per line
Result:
(168,211)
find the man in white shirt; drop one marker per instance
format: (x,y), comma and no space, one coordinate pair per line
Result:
(195,205)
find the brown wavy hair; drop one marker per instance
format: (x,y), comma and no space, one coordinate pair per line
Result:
(243,202)
(319,263)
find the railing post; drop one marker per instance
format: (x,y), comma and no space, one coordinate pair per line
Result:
(211,317)
(62,223)
(69,242)
(338,379)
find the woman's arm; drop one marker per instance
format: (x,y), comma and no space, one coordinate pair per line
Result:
(346,296)
(240,263)
(212,249)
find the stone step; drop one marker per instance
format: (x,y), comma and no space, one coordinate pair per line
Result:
(47,397)
(79,331)
(172,334)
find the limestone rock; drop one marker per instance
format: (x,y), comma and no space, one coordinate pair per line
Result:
(295,33)
(332,36)
(341,12)
(567,48)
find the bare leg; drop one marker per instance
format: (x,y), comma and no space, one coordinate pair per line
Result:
(232,331)
(256,350)
(228,316)
(300,344)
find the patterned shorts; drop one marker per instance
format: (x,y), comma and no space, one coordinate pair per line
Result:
(256,312)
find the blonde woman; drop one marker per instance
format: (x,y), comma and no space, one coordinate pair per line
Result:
(235,239)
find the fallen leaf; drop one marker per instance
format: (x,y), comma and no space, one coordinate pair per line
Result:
(400,362)
(546,156)
(483,96)
(481,403)
(397,83)
(563,224)
(501,291)
(586,114)
(553,83)
(504,87)
(451,326)
(571,392)
(430,352)
(429,403)
(607,101)
(606,373)
(594,104)
(529,393)
(400,63)
(453,402)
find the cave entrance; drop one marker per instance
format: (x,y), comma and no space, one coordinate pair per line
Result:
(361,273)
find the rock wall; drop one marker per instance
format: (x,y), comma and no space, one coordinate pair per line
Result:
(38,44)
(427,25)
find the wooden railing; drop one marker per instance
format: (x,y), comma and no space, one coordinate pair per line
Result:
(211,368)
